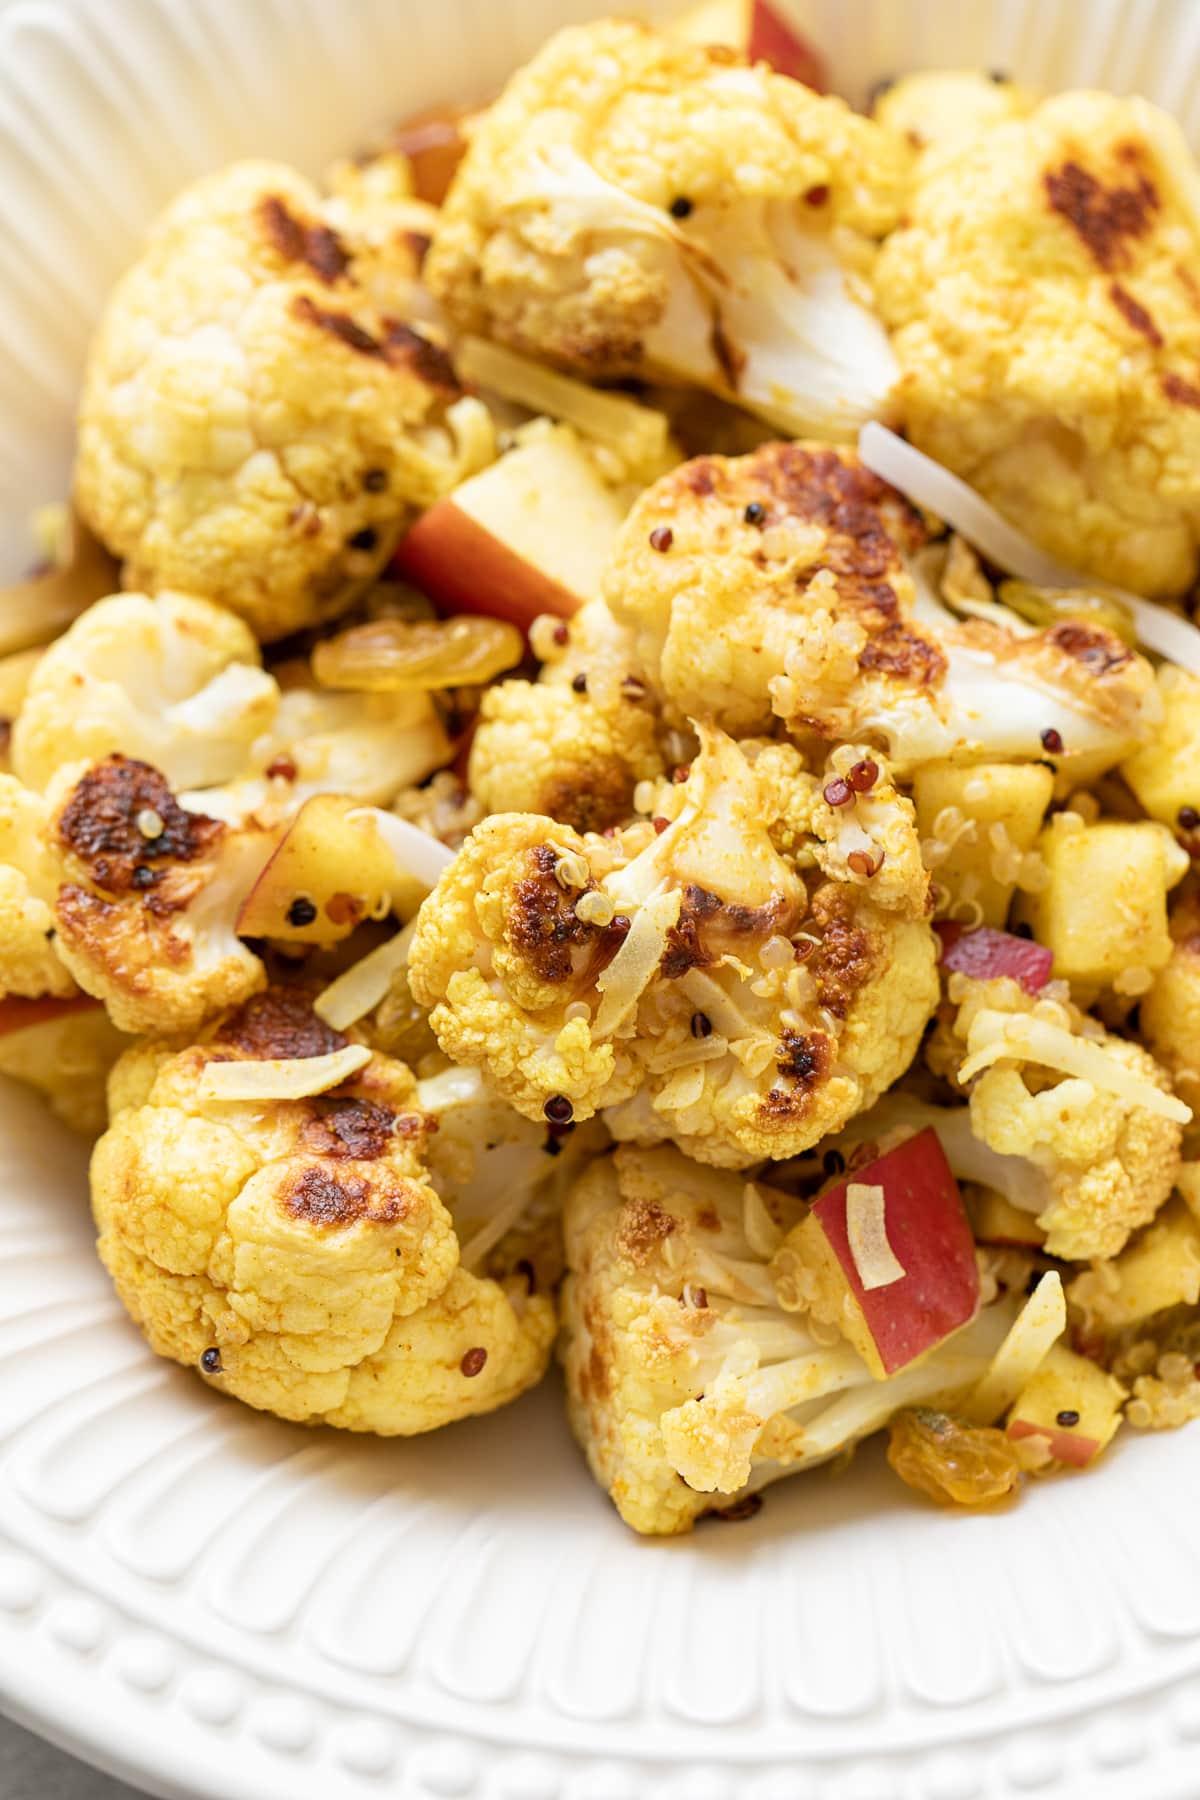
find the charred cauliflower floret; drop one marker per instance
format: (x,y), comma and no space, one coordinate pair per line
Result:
(688,975)
(147,897)
(1085,1129)
(1169,1017)
(64,1050)
(174,680)
(1042,299)
(688,1383)
(792,587)
(29,962)
(634,205)
(295,1250)
(253,427)
(574,744)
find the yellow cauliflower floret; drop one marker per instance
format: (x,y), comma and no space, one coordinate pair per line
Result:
(1169,1018)
(64,1050)
(636,205)
(1042,295)
(148,895)
(295,1250)
(1090,1116)
(175,681)
(688,976)
(688,1383)
(29,962)
(941,110)
(793,587)
(253,427)
(574,744)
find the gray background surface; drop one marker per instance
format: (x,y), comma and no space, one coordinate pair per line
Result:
(32,1770)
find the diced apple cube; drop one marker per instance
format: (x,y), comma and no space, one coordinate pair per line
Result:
(773,39)
(1072,1404)
(434,143)
(531,534)
(1013,796)
(987,954)
(1103,910)
(18,1014)
(1165,773)
(996,1220)
(330,871)
(1158,1270)
(928,1234)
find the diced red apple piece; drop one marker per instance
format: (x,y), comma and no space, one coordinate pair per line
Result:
(529,535)
(17,1014)
(996,1220)
(330,871)
(1159,1269)
(434,144)
(927,1231)
(987,954)
(775,41)
(1070,1403)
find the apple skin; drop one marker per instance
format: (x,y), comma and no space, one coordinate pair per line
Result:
(1066,1379)
(1064,1446)
(986,953)
(774,41)
(532,533)
(434,144)
(331,855)
(465,569)
(928,1231)
(17,1014)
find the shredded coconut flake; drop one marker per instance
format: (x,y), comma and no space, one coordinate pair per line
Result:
(631,970)
(1035,1040)
(1039,1324)
(417,854)
(866,1227)
(931,486)
(360,988)
(762,1233)
(292,1079)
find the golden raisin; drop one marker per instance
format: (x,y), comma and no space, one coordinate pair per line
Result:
(388,655)
(953,1462)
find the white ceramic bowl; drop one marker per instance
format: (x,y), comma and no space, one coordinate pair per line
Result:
(218,1606)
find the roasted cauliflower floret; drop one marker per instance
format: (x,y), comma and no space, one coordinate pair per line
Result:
(64,1050)
(634,205)
(295,1250)
(793,587)
(30,965)
(1042,299)
(688,1384)
(175,681)
(148,895)
(1084,1123)
(253,427)
(688,975)
(574,744)
(1169,1018)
